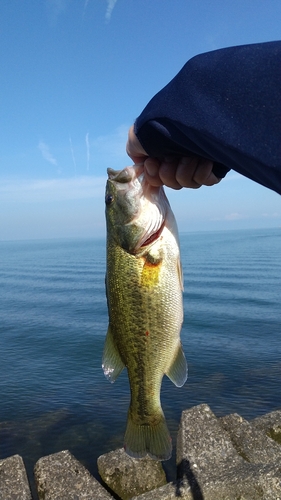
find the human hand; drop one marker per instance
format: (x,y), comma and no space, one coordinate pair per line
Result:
(174,172)
(191,172)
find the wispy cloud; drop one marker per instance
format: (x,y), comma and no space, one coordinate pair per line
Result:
(85,7)
(47,155)
(273,215)
(235,216)
(88,150)
(230,217)
(56,8)
(110,7)
(38,190)
(110,150)
(72,155)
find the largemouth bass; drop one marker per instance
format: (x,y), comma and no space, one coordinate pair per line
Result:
(144,297)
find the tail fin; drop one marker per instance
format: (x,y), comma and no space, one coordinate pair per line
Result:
(153,440)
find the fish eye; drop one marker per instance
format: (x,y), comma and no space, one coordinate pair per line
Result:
(108,199)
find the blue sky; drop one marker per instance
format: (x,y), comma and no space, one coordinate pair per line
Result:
(74,76)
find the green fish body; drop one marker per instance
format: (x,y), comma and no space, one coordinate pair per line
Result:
(144,295)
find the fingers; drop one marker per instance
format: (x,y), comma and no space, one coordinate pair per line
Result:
(186,171)
(195,172)
(168,173)
(162,172)
(204,175)
(176,173)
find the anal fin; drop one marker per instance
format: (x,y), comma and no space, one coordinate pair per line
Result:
(177,372)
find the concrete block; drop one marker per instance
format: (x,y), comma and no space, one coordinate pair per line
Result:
(170,491)
(210,465)
(252,444)
(270,424)
(13,479)
(202,445)
(129,477)
(237,486)
(61,477)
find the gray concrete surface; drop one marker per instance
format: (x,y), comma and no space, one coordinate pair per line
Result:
(129,477)
(254,446)
(61,477)
(270,423)
(13,479)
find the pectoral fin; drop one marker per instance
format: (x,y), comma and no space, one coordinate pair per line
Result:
(177,372)
(112,364)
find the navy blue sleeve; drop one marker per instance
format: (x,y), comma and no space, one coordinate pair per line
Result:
(223,105)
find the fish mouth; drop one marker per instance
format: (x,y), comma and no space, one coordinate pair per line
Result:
(153,237)
(144,208)
(127,174)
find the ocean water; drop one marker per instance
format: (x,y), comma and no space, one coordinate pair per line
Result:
(53,321)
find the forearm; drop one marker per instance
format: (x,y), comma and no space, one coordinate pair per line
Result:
(224,106)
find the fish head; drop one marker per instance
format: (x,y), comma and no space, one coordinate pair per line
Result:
(135,210)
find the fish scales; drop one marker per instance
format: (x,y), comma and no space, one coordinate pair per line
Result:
(145,313)
(144,294)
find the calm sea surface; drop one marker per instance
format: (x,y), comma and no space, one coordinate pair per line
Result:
(53,321)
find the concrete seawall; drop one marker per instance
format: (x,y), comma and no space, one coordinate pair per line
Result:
(227,458)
